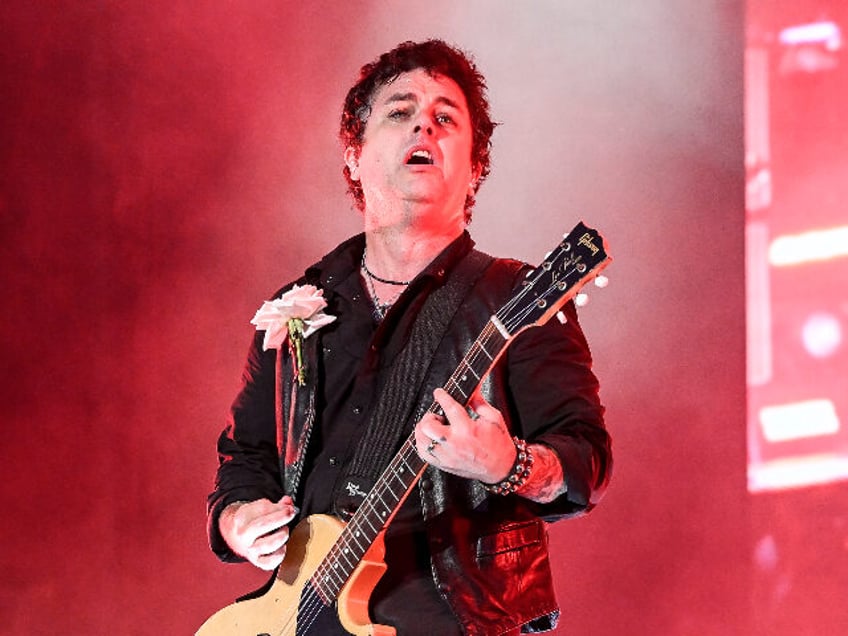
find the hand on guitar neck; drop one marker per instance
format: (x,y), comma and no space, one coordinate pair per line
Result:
(479,446)
(258,530)
(475,446)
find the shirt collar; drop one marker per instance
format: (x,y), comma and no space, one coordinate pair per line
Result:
(345,259)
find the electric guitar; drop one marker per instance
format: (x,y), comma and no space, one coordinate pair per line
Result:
(331,567)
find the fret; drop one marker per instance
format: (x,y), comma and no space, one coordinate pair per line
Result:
(355,546)
(399,477)
(469,367)
(382,512)
(367,519)
(459,389)
(340,552)
(410,458)
(334,576)
(326,598)
(388,490)
(351,547)
(342,560)
(486,353)
(329,583)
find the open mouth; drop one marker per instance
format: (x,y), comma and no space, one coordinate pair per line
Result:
(420,158)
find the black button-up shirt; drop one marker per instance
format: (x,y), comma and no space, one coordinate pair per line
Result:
(356,349)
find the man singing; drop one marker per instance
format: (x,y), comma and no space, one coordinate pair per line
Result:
(466,553)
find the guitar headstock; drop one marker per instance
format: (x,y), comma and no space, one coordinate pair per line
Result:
(579,257)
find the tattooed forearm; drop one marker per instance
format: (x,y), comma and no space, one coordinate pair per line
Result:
(546,481)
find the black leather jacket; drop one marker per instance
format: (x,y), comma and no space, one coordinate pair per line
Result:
(489,553)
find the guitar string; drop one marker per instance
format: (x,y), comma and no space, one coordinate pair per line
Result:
(517,298)
(312,603)
(528,308)
(312,607)
(369,505)
(357,526)
(520,296)
(376,522)
(503,314)
(321,572)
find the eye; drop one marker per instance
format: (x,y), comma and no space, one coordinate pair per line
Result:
(398,114)
(444,119)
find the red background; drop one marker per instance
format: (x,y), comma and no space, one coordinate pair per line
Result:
(166,165)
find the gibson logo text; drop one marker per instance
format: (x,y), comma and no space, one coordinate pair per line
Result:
(586,240)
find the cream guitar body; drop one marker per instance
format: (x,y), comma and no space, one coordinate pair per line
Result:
(282,609)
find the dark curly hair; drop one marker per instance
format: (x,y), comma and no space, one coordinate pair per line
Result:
(437,58)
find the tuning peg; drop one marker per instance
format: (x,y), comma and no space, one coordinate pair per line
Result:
(581,299)
(601,281)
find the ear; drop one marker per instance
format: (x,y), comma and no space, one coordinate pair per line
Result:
(351,159)
(475,178)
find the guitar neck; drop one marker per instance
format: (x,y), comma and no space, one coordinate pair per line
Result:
(580,256)
(402,473)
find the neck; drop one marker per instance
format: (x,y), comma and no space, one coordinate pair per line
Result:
(402,257)
(400,250)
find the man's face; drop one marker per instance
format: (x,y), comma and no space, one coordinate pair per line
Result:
(417,146)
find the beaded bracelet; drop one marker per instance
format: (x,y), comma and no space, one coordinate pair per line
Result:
(519,472)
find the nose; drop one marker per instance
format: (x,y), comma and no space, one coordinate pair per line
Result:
(418,128)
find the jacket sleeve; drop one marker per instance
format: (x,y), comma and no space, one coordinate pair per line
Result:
(554,400)
(248,464)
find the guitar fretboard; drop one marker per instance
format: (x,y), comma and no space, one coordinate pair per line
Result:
(578,257)
(401,475)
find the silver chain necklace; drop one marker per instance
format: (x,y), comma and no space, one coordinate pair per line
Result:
(380,309)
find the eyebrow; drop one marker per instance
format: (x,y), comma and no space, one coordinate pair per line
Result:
(412,97)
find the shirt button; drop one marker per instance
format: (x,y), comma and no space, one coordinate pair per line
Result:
(355,297)
(329,278)
(327,350)
(333,461)
(357,410)
(426,484)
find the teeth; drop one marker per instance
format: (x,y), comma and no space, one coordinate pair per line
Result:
(420,156)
